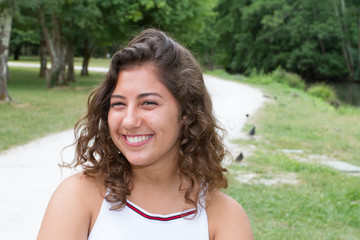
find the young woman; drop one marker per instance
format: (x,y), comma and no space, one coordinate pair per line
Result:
(151,155)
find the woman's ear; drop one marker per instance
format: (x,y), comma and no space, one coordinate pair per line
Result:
(183,118)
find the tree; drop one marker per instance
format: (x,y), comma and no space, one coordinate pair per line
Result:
(110,23)
(49,17)
(94,29)
(6,11)
(25,31)
(302,36)
(228,29)
(43,58)
(71,13)
(346,47)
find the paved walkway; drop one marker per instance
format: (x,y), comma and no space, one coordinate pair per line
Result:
(29,174)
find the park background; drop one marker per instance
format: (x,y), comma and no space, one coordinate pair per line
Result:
(304,56)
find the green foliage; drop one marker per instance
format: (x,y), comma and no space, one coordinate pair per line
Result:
(323,91)
(107,24)
(281,76)
(260,78)
(183,19)
(19,36)
(25,29)
(6,4)
(287,78)
(304,37)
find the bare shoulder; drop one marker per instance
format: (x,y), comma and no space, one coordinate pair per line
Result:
(80,184)
(72,207)
(227,219)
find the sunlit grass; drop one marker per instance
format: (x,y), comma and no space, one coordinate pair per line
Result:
(325,203)
(297,120)
(37,111)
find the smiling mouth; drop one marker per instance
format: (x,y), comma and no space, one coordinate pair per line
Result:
(137,139)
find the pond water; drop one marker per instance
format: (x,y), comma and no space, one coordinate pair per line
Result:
(348,93)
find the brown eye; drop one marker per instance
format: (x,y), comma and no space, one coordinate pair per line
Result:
(117,104)
(149,103)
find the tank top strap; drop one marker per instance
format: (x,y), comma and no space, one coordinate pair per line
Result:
(202,195)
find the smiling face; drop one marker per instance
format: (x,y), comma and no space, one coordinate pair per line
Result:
(144,118)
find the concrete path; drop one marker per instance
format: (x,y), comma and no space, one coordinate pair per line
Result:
(37,65)
(29,174)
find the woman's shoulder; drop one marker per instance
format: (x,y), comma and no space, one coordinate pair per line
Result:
(72,206)
(80,184)
(227,218)
(79,187)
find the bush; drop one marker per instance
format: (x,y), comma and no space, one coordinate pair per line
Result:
(280,76)
(323,91)
(287,78)
(260,79)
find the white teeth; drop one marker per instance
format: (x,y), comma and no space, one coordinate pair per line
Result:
(137,139)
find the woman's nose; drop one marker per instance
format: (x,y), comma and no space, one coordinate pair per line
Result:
(132,119)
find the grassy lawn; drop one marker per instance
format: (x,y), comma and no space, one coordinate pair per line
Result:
(94,62)
(319,202)
(37,111)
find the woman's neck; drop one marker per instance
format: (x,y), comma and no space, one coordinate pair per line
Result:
(158,178)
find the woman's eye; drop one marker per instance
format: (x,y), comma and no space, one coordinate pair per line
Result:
(117,104)
(149,103)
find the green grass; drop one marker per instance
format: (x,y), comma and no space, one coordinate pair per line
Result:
(297,120)
(325,204)
(94,62)
(37,111)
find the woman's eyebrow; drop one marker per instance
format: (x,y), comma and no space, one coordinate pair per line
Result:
(142,95)
(117,96)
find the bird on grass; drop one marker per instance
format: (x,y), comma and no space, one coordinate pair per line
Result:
(239,157)
(270,97)
(252,131)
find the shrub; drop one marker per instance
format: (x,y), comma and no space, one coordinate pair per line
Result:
(279,75)
(260,79)
(288,78)
(323,91)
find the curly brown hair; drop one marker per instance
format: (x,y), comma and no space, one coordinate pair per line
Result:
(201,144)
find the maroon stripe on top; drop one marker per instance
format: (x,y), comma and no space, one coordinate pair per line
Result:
(160,218)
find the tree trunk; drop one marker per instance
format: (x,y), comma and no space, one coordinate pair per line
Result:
(87,53)
(17,51)
(86,58)
(5,31)
(85,65)
(43,60)
(347,40)
(59,50)
(70,50)
(345,45)
(54,42)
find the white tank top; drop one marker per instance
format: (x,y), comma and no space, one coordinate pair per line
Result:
(134,223)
